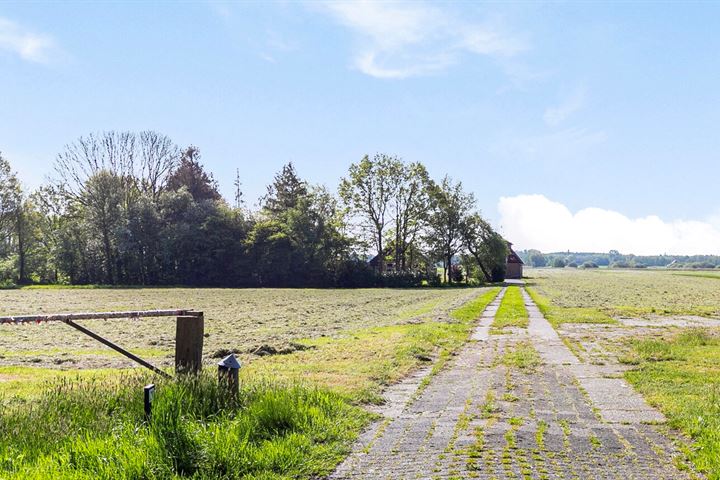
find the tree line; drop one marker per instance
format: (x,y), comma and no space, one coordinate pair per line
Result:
(615,259)
(127,208)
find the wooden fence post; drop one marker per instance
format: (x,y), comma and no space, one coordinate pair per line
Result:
(189,336)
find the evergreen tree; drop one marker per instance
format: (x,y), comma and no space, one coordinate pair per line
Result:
(191,175)
(285,192)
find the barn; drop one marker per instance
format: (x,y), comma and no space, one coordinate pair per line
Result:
(513,264)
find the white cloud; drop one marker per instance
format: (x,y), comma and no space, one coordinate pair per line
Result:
(30,46)
(534,221)
(399,40)
(554,116)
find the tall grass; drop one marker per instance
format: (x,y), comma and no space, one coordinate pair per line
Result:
(85,429)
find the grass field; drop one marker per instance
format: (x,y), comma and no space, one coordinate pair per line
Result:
(675,366)
(240,321)
(629,293)
(296,414)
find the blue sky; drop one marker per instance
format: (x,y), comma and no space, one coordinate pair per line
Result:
(606,110)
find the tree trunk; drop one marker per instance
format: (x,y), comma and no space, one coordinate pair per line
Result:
(381,257)
(474,253)
(398,250)
(21,260)
(449,262)
(108,257)
(21,246)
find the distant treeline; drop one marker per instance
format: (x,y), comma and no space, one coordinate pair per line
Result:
(125,208)
(615,259)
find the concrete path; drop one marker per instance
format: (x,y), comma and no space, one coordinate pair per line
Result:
(479,418)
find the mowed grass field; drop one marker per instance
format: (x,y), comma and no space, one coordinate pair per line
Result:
(236,320)
(630,293)
(296,414)
(676,366)
(320,328)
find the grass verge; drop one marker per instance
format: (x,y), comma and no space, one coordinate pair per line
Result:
(87,429)
(559,315)
(681,376)
(512,312)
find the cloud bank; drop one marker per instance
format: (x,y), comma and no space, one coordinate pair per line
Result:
(399,40)
(534,221)
(30,46)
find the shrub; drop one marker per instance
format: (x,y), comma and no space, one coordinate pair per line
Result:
(589,265)
(558,263)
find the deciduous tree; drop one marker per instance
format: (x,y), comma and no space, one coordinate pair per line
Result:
(451,207)
(368,191)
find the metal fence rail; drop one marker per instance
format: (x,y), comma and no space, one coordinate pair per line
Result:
(64,317)
(189,333)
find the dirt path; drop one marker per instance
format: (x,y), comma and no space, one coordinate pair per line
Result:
(480,418)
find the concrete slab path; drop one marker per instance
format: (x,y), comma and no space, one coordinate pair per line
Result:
(479,418)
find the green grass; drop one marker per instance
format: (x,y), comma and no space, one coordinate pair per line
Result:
(512,312)
(474,308)
(522,355)
(557,315)
(357,363)
(297,423)
(681,376)
(89,430)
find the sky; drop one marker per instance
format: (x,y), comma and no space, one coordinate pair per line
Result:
(577,125)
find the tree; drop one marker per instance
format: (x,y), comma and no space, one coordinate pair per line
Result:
(25,229)
(285,192)
(314,227)
(102,202)
(487,247)
(191,175)
(558,262)
(10,197)
(140,240)
(410,207)
(451,207)
(537,259)
(158,157)
(239,202)
(368,192)
(49,208)
(11,214)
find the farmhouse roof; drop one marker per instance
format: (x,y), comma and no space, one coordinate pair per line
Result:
(512,256)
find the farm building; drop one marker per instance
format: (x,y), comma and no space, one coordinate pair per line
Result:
(513,264)
(389,265)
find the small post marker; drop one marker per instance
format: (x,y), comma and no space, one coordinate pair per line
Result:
(149,393)
(228,370)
